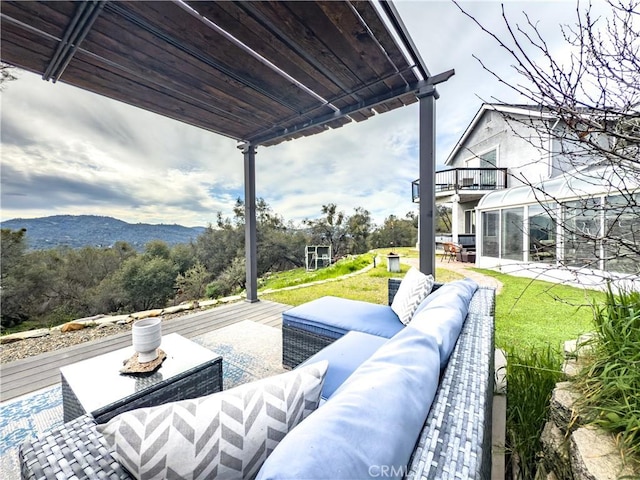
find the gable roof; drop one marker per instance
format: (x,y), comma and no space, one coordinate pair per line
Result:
(258,72)
(532,111)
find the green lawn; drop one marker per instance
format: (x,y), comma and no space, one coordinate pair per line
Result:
(370,286)
(532,313)
(529,313)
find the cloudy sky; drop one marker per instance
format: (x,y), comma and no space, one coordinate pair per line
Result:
(66,151)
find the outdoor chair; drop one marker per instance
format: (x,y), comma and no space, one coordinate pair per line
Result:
(451,250)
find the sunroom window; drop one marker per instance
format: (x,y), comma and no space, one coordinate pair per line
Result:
(542,233)
(512,233)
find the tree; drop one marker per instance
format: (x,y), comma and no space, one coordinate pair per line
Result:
(592,103)
(193,283)
(395,232)
(7,74)
(330,229)
(359,228)
(12,281)
(443,219)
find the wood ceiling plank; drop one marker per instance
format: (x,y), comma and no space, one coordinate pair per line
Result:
(164,64)
(50,17)
(312,16)
(364,48)
(178,24)
(371,17)
(91,76)
(260,37)
(307,39)
(25,49)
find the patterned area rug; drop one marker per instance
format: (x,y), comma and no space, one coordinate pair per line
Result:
(250,351)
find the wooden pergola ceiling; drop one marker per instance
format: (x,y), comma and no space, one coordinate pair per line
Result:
(258,72)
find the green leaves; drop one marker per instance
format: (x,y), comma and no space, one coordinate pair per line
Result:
(610,383)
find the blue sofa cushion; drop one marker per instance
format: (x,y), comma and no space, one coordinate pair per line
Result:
(444,315)
(334,316)
(345,355)
(369,427)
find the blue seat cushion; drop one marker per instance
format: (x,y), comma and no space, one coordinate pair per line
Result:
(345,355)
(334,316)
(369,426)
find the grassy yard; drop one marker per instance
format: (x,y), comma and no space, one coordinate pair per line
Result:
(529,313)
(370,286)
(532,313)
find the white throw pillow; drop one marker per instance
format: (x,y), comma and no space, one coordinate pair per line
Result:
(414,288)
(225,435)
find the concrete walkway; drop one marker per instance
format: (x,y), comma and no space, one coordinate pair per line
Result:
(462,268)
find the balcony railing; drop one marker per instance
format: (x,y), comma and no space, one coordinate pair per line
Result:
(465,179)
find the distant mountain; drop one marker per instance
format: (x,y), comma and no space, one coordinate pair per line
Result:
(93,231)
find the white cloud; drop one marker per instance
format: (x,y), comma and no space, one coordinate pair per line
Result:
(70,151)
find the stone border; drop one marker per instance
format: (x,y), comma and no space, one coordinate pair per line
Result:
(99,320)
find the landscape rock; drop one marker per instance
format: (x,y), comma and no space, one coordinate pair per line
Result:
(594,456)
(147,314)
(562,403)
(571,367)
(16,337)
(110,320)
(72,327)
(555,449)
(178,308)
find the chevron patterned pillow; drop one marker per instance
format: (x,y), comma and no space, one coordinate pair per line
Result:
(224,435)
(414,288)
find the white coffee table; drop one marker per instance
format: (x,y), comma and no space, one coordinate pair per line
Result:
(96,385)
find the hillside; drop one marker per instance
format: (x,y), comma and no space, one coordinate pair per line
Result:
(77,231)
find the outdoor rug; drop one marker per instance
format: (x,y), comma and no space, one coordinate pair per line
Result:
(250,351)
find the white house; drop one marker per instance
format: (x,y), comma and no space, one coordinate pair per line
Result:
(512,185)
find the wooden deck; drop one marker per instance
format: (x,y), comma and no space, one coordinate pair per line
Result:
(31,374)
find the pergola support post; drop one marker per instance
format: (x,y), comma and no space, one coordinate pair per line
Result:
(427,217)
(250,236)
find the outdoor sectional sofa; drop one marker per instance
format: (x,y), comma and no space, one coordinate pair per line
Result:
(381,383)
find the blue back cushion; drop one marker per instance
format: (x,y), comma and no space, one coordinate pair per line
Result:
(371,422)
(334,316)
(445,314)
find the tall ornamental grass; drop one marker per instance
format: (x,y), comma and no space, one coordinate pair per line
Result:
(610,380)
(531,378)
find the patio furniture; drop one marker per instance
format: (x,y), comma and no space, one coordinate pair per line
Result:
(450,251)
(95,386)
(453,442)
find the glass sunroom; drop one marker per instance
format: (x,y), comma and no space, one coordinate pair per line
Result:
(583,223)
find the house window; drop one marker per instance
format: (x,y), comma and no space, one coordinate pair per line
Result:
(542,233)
(469,221)
(490,229)
(488,160)
(512,233)
(622,227)
(582,222)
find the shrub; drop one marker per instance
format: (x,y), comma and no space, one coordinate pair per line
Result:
(531,378)
(610,382)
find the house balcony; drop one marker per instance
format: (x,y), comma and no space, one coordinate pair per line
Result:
(469,183)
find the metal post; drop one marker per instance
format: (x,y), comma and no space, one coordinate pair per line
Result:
(427,232)
(250,237)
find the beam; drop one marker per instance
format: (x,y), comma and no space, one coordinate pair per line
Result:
(320,120)
(427,134)
(250,237)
